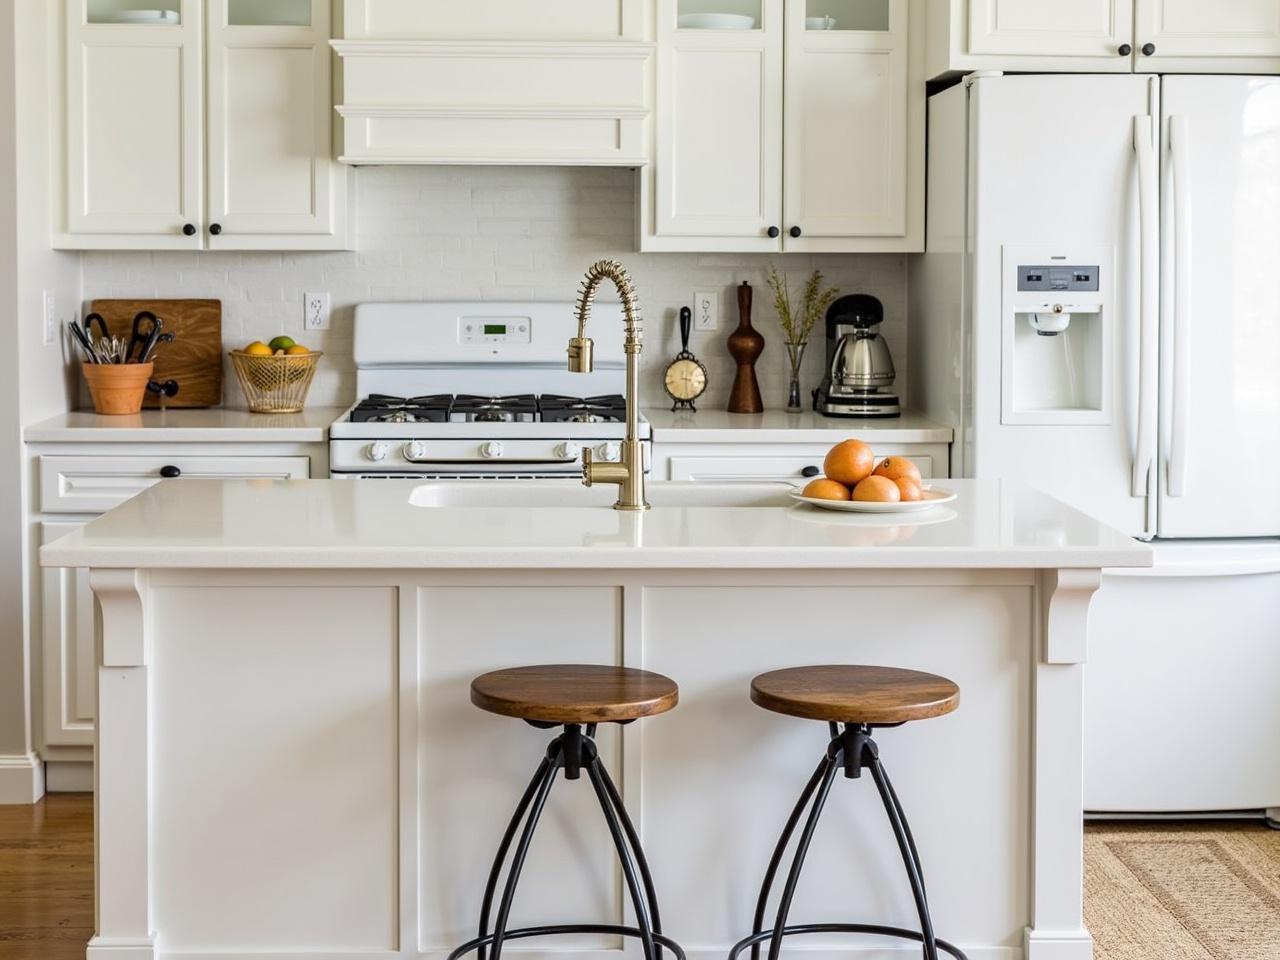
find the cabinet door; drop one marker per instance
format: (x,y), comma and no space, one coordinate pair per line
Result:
(69,619)
(132,136)
(797,467)
(271,179)
(719,126)
(1049,28)
(1231,36)
(848,162)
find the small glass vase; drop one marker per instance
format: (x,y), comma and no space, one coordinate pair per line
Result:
(795,354)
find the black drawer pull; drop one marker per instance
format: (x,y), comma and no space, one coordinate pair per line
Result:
(810,471)
(170,472)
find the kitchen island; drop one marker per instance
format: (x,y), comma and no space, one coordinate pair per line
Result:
(288,765)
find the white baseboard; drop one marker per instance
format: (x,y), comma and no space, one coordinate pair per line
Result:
(115,948)
(61,776)
(21,779)
(1059,945)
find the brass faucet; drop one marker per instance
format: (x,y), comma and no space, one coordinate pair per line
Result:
(628,474)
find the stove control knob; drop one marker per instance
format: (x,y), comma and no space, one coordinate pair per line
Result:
(377,451)
(568,450)
(609,452)
(491,449)
(415,450)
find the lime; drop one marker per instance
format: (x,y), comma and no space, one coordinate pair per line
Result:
(281,343)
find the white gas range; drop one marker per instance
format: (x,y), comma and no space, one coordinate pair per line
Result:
(479,390)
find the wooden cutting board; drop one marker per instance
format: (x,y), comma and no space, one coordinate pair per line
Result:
(194,359)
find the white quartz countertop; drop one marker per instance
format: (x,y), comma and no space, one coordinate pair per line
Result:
(778,426)
(214,425)
(343,524)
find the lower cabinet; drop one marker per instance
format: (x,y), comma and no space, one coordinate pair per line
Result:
(72,485)
(792,463)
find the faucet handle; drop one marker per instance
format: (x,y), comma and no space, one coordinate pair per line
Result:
(587,458)
(581,355)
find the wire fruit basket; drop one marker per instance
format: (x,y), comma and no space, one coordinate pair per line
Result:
(275,384)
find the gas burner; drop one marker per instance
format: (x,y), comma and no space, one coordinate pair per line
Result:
(611,408)
(522,408)
(381,408)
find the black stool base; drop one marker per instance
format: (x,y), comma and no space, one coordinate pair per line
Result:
(568,928)
(850,750)
(574,752)
(901,933)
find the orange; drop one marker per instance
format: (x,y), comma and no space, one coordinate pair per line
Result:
(909,489)
(880,489)
(848,462)
(895,468)
(296,350)
(258,349)
(824,489)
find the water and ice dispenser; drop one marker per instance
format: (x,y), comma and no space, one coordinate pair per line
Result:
(1057,311)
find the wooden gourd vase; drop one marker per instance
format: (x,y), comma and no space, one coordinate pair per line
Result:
(745,346)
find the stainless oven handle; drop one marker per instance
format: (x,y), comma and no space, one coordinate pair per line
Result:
(504,461)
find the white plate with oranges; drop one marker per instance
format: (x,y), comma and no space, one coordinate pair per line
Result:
(853,482)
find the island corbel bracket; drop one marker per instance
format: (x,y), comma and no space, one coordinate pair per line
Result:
(122,772)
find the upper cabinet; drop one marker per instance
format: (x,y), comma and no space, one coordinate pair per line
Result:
(786,125)
(1104,36)
(199,125)
(495,81)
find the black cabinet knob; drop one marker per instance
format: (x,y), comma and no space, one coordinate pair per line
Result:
(1148,49)
(189,229)
(170,472)
(1124,49)
(215,228)
(794,231)
(773,232)
(810,471)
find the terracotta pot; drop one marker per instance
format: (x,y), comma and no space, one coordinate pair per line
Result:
(117,388)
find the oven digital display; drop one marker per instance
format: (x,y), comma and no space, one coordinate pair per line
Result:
(495,329)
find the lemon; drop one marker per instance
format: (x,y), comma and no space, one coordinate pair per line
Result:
(296,350)
(258,349)
(281,343)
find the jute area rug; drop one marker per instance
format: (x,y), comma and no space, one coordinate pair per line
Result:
(1183,891)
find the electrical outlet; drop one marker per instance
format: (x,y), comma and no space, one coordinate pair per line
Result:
(315,311)
(50,318)
(706,311)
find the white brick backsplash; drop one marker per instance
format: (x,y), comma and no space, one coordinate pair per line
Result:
(496,233)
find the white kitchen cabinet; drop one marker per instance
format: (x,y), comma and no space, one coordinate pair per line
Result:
(791,466)
(802,133)
(73,482)
(69,632)
(1104,36)
(207,126)
(495,20)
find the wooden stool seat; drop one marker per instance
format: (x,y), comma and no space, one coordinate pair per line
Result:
(855,694)
(574,693)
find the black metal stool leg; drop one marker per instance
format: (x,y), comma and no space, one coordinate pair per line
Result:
(633,838)
(802,850)
(909,858)
(624,857)
(906,828)
(517,861)
(501,857)
(762,903)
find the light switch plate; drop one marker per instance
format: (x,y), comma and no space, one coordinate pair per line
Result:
(315,311)
(50,317)
(706,310)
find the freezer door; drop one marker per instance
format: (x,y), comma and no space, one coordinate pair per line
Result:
(1220,309)
(1065,169)
(1182,683)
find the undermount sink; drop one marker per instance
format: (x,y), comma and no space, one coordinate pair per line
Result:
(571,493)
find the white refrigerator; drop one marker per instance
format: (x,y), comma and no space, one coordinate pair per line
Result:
(1098,313)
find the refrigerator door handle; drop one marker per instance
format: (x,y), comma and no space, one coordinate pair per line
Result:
(1180,162)
(1148,212)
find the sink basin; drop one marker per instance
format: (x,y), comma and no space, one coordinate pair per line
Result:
(571,493)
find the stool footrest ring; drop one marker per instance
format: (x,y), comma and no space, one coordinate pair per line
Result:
(572,928)
(867,928)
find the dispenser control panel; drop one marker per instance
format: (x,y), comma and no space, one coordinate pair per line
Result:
(1059,276)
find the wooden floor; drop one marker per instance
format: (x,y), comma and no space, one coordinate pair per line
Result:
(46,878)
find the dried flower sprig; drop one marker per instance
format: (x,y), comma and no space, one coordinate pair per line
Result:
(797,325)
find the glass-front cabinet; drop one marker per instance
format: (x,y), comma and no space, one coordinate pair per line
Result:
(787,125)
(198,124)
